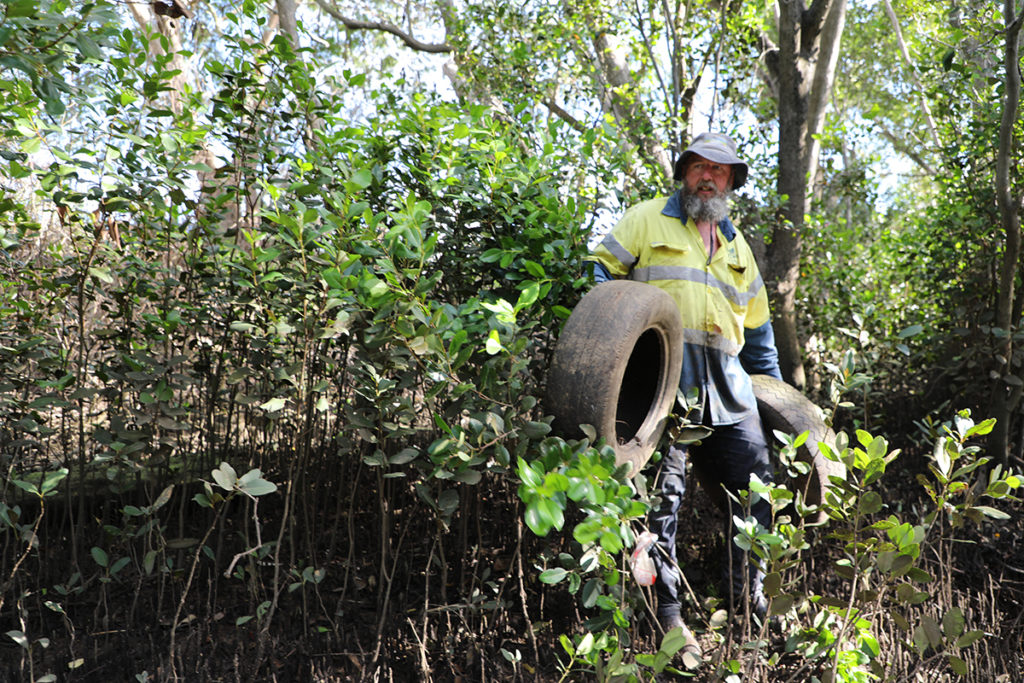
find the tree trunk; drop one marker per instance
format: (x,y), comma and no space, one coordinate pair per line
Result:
(1007,391)
(286,17)
(808,50)
(171,30)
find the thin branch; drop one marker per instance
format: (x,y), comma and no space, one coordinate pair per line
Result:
(555,109)
(356,25)
(905,53)
(900,146)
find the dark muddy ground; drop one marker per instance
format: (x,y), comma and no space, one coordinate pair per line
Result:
(448,606)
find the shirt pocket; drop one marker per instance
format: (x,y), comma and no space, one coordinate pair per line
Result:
(737,297)
(668,254)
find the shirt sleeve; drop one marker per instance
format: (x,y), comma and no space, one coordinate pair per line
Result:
(759,355)
(618,251)
(601,273)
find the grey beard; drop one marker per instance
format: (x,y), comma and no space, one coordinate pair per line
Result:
(712,210)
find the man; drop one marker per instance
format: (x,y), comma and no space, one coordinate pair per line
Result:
(687,246)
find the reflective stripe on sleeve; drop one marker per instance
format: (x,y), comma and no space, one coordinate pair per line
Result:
(618,251)
(688,274)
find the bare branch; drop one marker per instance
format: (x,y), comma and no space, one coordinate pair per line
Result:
(899,144)
(356,25)
(905,53)
(555,109)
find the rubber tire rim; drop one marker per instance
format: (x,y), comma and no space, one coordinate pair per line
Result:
(616,367)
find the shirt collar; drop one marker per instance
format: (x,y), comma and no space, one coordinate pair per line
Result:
(674,209)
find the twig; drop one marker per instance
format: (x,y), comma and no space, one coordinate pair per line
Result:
(188,586)
(522,591)
(28,549)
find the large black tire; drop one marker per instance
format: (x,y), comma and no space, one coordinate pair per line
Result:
(616,367)
(785,409)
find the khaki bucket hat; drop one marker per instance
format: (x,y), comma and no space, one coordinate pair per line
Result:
(717,147)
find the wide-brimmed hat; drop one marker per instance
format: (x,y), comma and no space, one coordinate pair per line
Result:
(717,147)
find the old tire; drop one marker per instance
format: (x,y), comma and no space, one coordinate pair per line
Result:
(785,409)
(616,367)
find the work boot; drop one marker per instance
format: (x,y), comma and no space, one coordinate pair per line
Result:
(690,654)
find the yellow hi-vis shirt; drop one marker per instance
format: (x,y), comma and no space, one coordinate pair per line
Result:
(722,300)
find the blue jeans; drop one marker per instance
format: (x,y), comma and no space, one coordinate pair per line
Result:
(728,457)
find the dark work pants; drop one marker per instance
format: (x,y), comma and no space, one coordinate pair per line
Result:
(728,457)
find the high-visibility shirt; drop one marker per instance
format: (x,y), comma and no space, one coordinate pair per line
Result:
(722,300)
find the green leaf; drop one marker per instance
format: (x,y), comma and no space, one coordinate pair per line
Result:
(26,486)
(781,604)
(969,638)
(591,592)
(982,428)
(990,512)
(586,645)
(88,47)
(910,331)
(493,346)
(274,405)
(869,645)
(468,476)
(534,269)
(362,178)
(448,501)
(225,476)
(535,520)
(674,641)
(163,498)
(102,273)
(21,8)
(18,637)
(536,430)
(491,255)
(932,631)
(551,512)
(528,296)
(100,556)
(958,665)
(553,576)
(870,503)
(404,456)
(528,475)
(52,479)
(255,485)
(611,542)
(953,623)
(119,565)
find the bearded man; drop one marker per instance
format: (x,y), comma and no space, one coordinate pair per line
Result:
(687,246)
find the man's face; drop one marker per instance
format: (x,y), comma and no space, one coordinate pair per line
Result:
(705,191)
(707,179)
